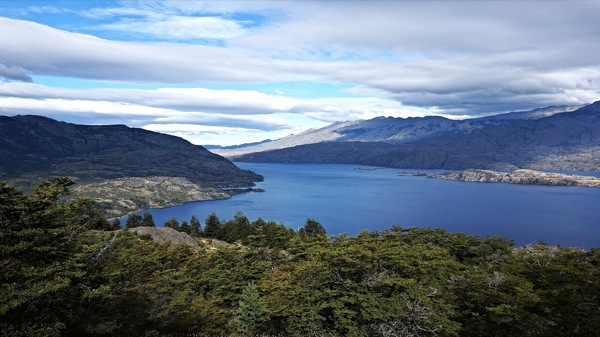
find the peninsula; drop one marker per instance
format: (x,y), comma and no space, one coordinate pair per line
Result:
(521,176)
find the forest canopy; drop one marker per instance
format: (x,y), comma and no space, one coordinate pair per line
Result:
(65,270)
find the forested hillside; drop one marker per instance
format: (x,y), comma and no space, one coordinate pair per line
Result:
(67,271)
(36,146)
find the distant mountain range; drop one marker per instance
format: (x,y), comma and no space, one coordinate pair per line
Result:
(390,130)
(561,138)
(35,146)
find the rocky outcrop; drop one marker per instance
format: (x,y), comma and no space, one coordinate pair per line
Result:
(522,176)
(165,234)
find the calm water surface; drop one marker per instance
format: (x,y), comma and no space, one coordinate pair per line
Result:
(344,199)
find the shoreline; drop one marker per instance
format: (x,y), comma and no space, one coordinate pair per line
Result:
(520,176)
(120,197)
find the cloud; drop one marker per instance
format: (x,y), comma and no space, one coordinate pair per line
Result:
(14,73)
(430,29)
(241,108)
(207,135)
(233,102)
(179,28)
(465,58)
(47,51)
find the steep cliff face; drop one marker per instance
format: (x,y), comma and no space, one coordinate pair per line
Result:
(40,146)
(568,141)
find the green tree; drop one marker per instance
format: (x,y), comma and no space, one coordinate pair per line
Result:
(133,220)
(39,268)
(212,227)
(185,227)
(269,234)
(172,223)
(195,229)
(249,311)
(148,220)
(140,287)
(312,229)
(115,224)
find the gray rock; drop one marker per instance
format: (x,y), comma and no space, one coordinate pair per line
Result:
(165,234)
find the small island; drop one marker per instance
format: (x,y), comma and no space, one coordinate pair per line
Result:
(367,168)
(521,176)
(412,174)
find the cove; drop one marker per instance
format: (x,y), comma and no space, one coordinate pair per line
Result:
(345,199)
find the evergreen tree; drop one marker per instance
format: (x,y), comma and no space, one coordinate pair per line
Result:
(133,220)
(148,220)
(195,230)
(212,227)
(249,311)
(239,228)
(38,265)
(172,223)
(84,211)
(312,229)
(185,227)
(243,227)
(115,224)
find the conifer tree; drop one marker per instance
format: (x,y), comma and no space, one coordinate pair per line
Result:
(133,220)
(38,265)
(172,223)
(195,230)
(115,224)
(212,227)
(249,311)
(148,220)
(185,227)
(312,229)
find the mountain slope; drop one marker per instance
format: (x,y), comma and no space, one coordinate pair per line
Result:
(41,147)
(569,141)
(393,130)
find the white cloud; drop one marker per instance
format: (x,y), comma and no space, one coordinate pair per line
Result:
(466,69)
(189,101)
(194,109)
(192,129)
(47,51)
(403,59)
(234,102)
(179,28)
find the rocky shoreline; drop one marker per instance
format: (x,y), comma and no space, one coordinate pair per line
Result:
(117,197)
(521,176)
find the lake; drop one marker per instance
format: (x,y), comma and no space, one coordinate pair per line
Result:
(344,199)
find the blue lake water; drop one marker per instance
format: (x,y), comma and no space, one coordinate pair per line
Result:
(344,199)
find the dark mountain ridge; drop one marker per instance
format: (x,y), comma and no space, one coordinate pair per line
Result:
(42,147)
(561,141)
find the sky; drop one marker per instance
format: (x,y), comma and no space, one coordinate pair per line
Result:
(232,72)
